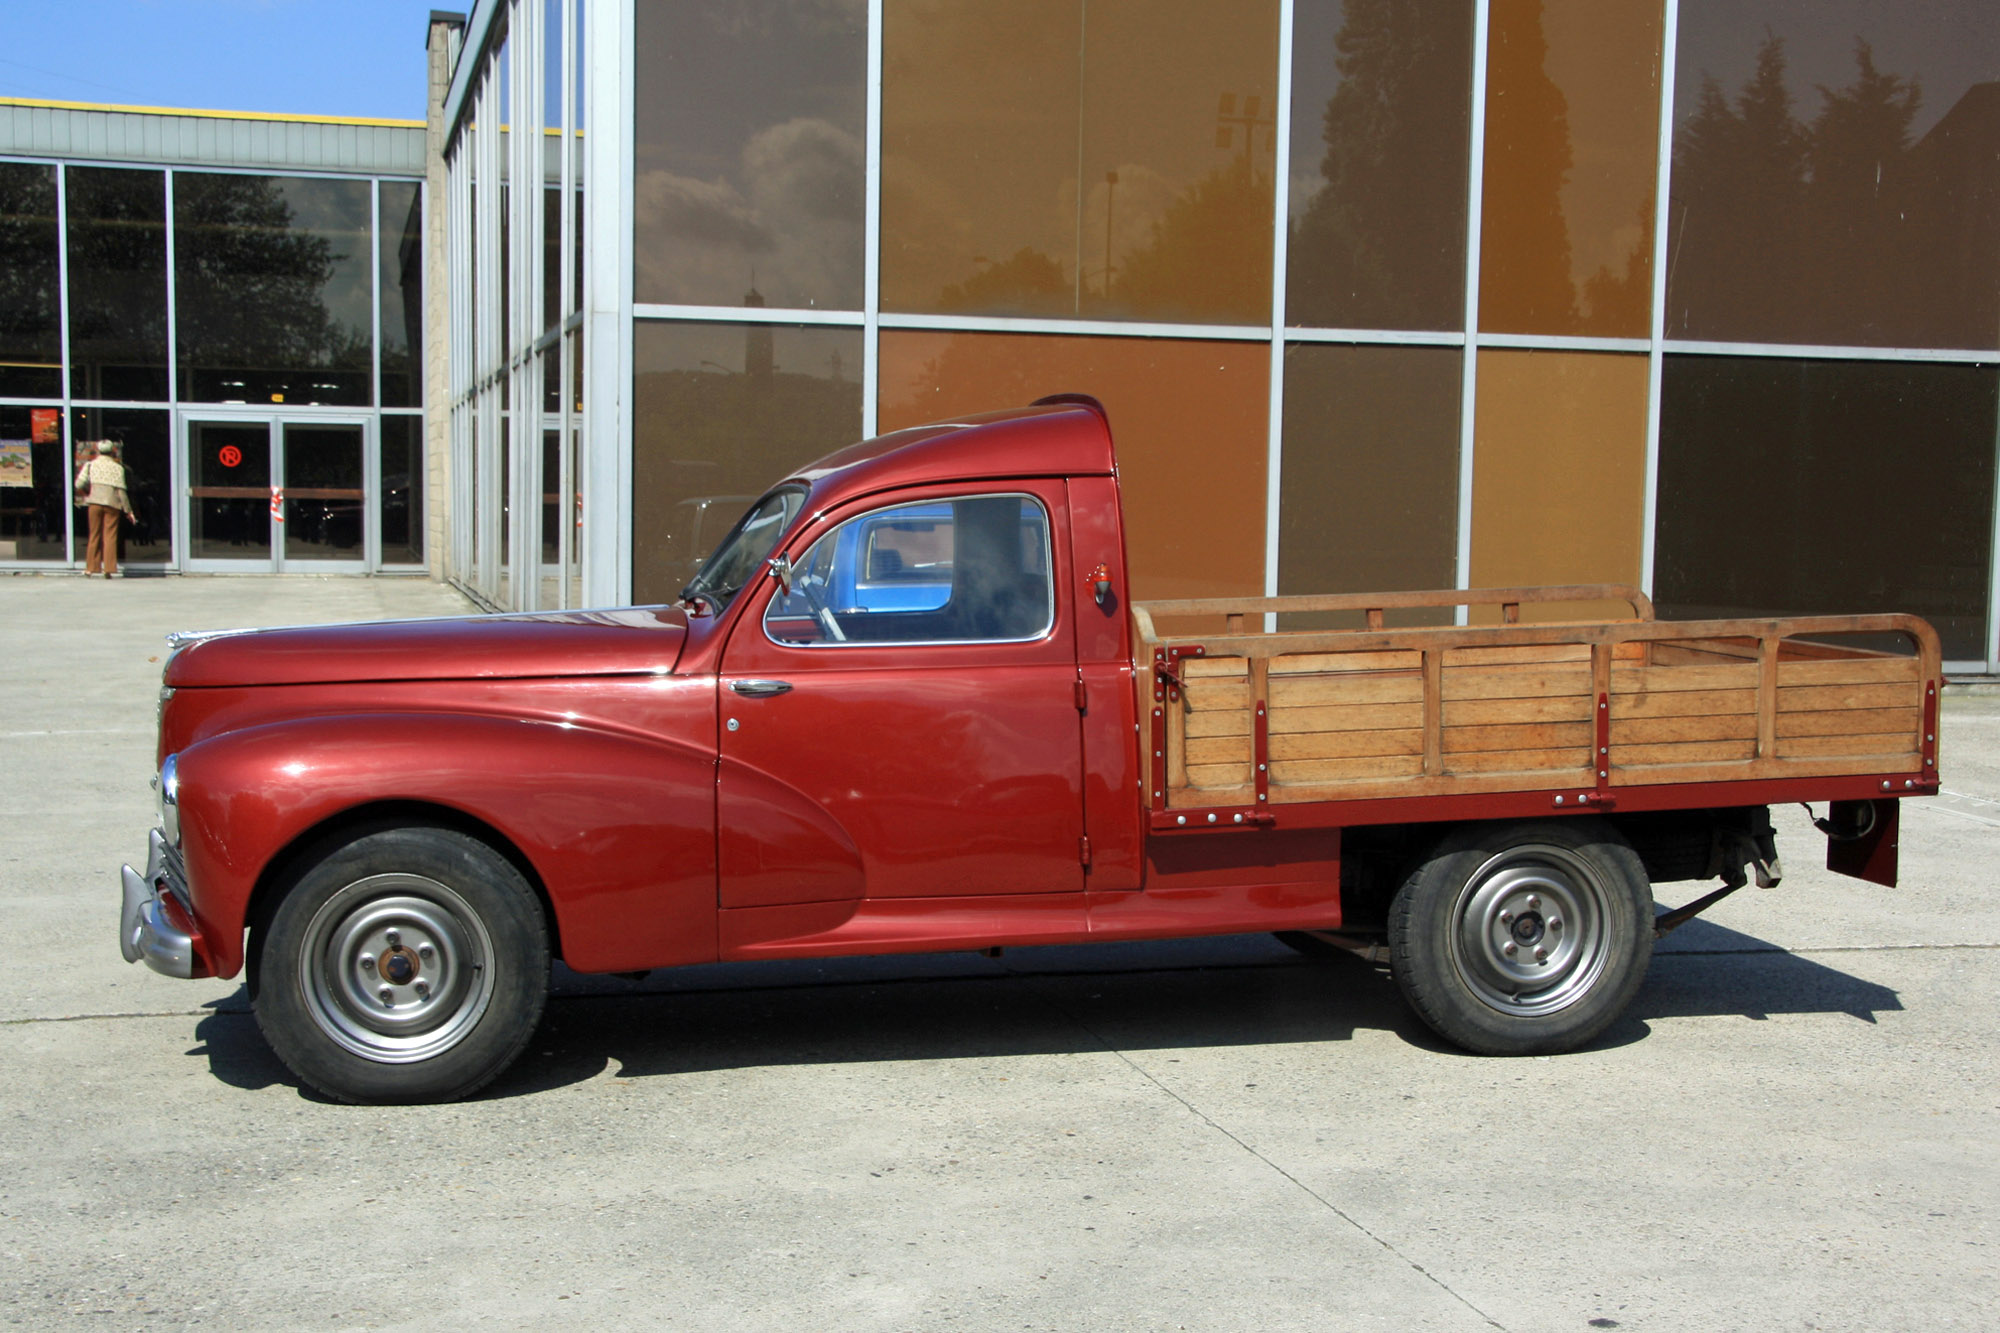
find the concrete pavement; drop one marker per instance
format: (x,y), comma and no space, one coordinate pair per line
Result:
(1797,1126)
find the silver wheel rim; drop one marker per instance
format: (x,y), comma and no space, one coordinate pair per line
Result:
(1528,931)
(396,968)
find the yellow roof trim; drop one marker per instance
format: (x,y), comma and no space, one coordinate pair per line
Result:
(212,115)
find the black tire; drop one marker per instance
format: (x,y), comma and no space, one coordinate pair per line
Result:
(409,965)
(1467,926)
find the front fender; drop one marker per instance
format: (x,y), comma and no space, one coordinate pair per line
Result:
(620,829)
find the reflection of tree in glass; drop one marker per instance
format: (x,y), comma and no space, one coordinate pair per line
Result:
(27,268)
(251,283)
(1208,253)
(1382,244)
(1524,283)
(1027,282)
(1838,231)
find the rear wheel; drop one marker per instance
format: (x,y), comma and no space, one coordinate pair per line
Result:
(408,966)
(1522,939)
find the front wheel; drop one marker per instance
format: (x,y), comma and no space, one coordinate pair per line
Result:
(409,965)
(1523,939)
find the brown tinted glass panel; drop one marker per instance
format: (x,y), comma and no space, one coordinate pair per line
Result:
(34,482)
(402,496)
(1189,419)
(1825,487)
(1371,472)
(1057,157)
(1572,143)
(750,161)
(402,294)
(30,315)
(1381,126)
(148,481)
(117,283)
(273,289)
(722,413)
(1559,473)
(1836,173)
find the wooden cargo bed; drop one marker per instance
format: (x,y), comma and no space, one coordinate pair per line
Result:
(1248,718)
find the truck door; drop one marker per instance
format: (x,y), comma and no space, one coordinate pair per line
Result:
(899,715)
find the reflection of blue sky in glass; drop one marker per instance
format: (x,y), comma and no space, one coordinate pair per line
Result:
(1947,45)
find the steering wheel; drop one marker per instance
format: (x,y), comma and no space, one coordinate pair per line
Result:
(809,588)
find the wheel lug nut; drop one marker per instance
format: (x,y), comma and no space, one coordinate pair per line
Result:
(1506,918)
(386,995)
(424,951)
(1555,923)
(1508,948)
(1533,901)
(367,962)
(423,990)
(1541,955)
(394,937)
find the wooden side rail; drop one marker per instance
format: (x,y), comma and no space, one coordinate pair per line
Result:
(1373,604)
(1258,719)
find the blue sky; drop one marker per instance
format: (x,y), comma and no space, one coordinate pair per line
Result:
(316,57)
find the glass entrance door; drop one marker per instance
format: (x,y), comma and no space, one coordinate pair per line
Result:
(229,503)
(274,495)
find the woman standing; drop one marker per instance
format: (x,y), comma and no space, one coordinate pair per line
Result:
(100,485)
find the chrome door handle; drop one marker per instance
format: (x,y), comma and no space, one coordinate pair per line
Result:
(759,689)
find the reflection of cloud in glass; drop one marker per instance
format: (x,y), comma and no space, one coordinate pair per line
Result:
(794,228)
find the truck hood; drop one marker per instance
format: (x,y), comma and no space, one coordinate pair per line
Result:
(640,640)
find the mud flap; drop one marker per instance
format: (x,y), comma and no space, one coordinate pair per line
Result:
(1861,840)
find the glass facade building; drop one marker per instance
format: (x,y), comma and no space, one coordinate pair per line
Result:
(1702,295)
(238,300)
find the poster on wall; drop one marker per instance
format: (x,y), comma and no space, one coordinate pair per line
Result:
(45,424)
(17,463)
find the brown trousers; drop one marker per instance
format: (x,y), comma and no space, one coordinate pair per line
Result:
(102,553)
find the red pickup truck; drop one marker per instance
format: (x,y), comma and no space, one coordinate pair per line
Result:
(907,705)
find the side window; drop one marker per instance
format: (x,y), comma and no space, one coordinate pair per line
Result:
(972,570)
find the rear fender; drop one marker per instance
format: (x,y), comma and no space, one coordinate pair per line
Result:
(619,829)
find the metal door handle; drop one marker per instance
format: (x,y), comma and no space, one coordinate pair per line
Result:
(758,689)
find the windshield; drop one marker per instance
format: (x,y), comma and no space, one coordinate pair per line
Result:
(744,550)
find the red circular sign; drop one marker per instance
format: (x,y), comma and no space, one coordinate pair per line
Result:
(230,455)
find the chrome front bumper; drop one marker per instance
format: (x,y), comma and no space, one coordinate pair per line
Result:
(145,928)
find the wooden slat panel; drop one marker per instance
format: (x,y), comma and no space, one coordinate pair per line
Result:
(1346,744)
(1655,730)
(1852,722)
(1297,664)
(1350,717)
(1815,698)
(1186,798)
(1683,703)
(1218,750)
(1218,775)
(1215,694)
(1296,771)
(1536,736)
(1520,761)
(1643,680)
(1508,712)
(1208,668)
(1508,683)
(1521,655)
(1314,691)
(1219,722)
(1816,746)
(1696,654)
(1690,752)
(1862,671)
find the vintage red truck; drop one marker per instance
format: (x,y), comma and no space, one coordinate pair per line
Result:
(907,705)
